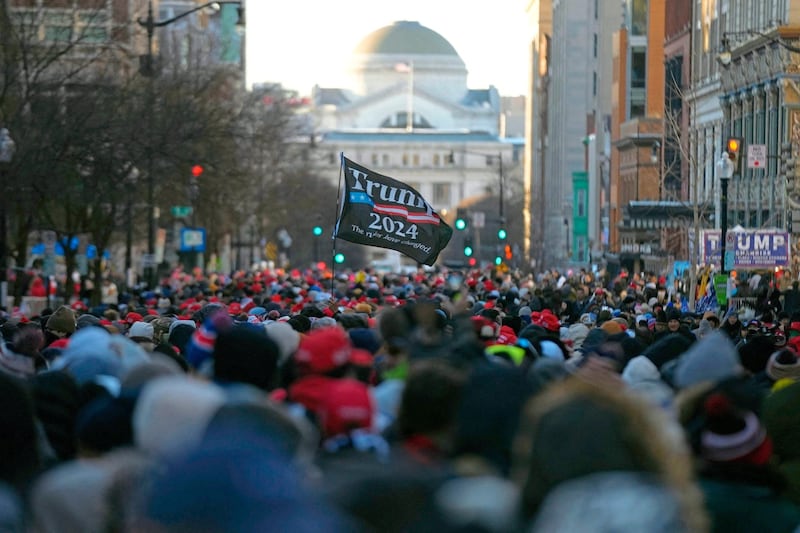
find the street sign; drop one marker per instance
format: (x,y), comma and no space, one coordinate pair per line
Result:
(479,219)
(756,156)
(180,211)
(193,240)
(148,260)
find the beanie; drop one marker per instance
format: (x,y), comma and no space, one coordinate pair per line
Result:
(62,321)
(733,435)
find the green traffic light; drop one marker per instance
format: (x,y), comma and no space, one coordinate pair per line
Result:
(317,230)
(468,251)
(461,224)
(502,234)
(339,258)
(498,260)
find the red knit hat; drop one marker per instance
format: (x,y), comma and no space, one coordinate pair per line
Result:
(323,350)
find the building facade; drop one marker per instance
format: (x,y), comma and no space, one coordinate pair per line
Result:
(410,115)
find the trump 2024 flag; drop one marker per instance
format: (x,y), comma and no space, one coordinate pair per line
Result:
(380,211)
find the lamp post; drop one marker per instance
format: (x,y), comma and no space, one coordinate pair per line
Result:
(724,173)
(148,69)
(7,149)
(655,158)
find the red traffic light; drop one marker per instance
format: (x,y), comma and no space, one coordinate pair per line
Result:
(197,170)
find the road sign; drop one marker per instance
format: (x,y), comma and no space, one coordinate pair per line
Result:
(756,156)
(193,240)
(148,260)
(180,211)
(479,219)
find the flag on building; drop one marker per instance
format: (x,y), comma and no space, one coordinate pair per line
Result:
(380,211)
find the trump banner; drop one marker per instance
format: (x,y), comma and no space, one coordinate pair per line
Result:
(380,211)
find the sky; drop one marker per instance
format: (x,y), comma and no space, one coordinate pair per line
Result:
(307,42)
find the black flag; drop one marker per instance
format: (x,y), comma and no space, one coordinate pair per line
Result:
(380,211)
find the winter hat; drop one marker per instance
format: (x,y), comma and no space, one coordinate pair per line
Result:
(781,415)
(577,334)
(551,350)
(755,353)
(56,398)
(87,320)
(346,406)
(712,358)
(603,316)
(783,364)
(611,327)
(667,348)
(366,339)
(172,412)
(201,345)
(141,332)
(731,434)
(62,321)
(176,323)
(105,424)
(485,328)
(587,319)
(285,337)
(245,354)
(323,350)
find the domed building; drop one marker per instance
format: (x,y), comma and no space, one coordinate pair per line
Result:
(451,151)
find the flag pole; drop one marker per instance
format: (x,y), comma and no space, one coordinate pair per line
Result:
(410,110)
(338,218)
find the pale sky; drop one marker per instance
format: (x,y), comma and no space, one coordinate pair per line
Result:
(307,42)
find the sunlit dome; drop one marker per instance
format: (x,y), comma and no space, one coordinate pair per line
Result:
(405,37)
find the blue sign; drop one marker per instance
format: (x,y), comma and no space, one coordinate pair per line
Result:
(752,249)
(193,240)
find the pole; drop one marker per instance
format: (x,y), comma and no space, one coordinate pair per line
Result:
(502,186)
(410,111)
(724,222)
(151,217)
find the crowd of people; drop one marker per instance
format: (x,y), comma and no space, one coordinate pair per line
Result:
(453,401)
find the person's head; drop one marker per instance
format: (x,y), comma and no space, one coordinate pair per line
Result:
(575,429)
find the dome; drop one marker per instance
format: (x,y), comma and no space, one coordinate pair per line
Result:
(405,37)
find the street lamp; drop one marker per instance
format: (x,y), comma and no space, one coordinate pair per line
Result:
(150,25)
(724,173)
(7,149)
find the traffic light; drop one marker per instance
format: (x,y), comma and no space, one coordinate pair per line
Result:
(468,251)
(339,258)
(734,148)
(508,252)
(498,260)
(197,171)
(317,231)
(502,234)
(461,220)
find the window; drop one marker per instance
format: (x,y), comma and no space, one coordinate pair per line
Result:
(581,203)
(437,160)
(638,17)
(385,160)
(405,160)
(374,159)
(441,193)
(415,160)
(594,46)
(594,83)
